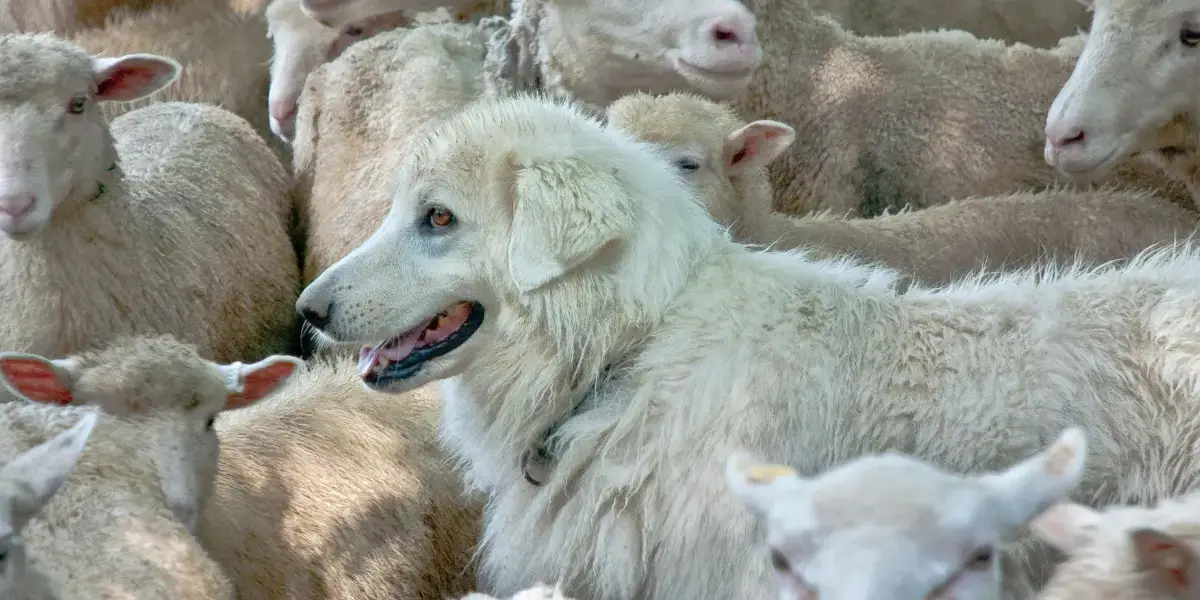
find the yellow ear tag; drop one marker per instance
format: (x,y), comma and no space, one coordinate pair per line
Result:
(768,473)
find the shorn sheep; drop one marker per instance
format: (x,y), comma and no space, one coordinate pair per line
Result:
(725,158)
(172,219)
(906,529)
(224,54)
(1137,73)
(327,490)
(121,526)
(27,482)
(358,112)
(1124,552)
(488,272)
(888,122)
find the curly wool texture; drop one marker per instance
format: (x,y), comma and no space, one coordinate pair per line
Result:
(917,119)
(329,490)
(107,532)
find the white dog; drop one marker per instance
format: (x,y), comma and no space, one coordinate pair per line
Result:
(606,348)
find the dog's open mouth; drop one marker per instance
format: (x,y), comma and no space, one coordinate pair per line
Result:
(402,356)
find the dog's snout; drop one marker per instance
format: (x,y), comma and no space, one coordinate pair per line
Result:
(315,317)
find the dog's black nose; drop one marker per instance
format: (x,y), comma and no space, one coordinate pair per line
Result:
(315,318)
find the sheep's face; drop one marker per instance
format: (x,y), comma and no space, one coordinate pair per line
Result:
(891,527)
(1139,69)
(658,46)
(27,483)
(54,144)
(722,159)
(1124,552)
(300,45)
(511,221)
(167,385)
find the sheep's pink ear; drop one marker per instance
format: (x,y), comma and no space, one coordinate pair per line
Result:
(248,384)
(1066,525)
(133,76)
(1169,559)
(756,145)
(38,379)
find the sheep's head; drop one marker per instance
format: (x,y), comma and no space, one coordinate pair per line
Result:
(1124,552)
(1139,69)
(714,150)
(155,378)
(54,143)
(301,44)
(27,483)
(906,530)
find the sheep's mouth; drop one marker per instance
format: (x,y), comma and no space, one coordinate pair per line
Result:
(733,75)
(402,356)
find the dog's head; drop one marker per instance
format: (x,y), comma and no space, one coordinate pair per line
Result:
(513,218)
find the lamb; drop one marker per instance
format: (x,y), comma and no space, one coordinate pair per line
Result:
(357,112)
(905,528)
(171,219)
(122,525)
(328,490)
(725,158)
(1125,552)
(224,53)
(487,272)
(27,482)
(1124,88)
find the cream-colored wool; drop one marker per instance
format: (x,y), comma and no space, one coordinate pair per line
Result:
(190,234)
(65,17)
(332,491)
(936,245)
(224,52)
(919,119)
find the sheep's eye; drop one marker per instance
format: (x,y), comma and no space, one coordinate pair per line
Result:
(353,31)
(779,561)
(439,218)
(1189,37)
(210,423)
(687,164)
(78,103)
(981,559)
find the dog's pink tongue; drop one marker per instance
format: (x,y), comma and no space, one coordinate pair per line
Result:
(392,350)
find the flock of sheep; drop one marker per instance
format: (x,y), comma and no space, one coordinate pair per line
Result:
(615,264)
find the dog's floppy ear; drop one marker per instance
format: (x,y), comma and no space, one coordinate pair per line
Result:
(564,211)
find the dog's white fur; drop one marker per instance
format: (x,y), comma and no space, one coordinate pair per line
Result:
(585,250)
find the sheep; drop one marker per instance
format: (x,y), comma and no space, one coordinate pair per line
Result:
(1125,552)
(1039,23)
(904,527)
(301,44)
(1125,87)
(357,111)
(171,219)
(338,13)
(328,490)
(224,54)
(520,227)
(725,158)
(27,482)
(122,526)
(64,17)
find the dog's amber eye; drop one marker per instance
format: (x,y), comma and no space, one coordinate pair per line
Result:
(440,218)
